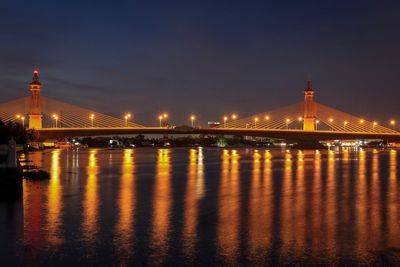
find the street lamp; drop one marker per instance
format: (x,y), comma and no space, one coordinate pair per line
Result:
(92,119)
(393,123)
(344,125)
(21,118)
(287,123)
(331,121)
(127,116)
(255,122)
(55,117)
(192,118)
(374,124)
(234,116)
(316,124)
(160,118)
(225,119)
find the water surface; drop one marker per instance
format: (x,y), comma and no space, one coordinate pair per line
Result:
(206,207)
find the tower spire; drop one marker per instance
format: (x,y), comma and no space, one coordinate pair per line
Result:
(35,78)
(309,86)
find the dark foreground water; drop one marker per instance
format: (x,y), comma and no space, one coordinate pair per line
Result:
(205,207)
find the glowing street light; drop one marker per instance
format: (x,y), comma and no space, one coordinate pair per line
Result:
(192,118)
(165,115)
(393,123)
(55,117)
(316,124)
(92,119)
(345,124)
(255,122)
(362,121)
(374,124)
(21,118)
(331,121)
(160,118)
(225,119)
(234,116)
(127,117)
(287,123)
(300,119)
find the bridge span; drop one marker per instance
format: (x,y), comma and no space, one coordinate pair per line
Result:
(286,134)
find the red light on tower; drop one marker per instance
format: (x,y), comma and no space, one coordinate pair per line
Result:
(36,71)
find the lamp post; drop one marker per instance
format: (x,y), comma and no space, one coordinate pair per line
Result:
(23,121)
(267,118)
(92,120)
(192,118)
(160,118)
(127,116)
(225,119)
(55,117)
(331,122)
(287,123)
(393,123)
(255,122)
(374,124)
(344,125)
(316,124)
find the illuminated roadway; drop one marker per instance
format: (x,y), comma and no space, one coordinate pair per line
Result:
(287,134)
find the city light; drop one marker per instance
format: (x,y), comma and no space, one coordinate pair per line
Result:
(345,124)
(127,117)
(331,121)
(374,124)
(316,124)
(55,117)
(361,121)
(255,122)
(92,120)
(393,123)
(300,118)
(192,118)
(287,123)
(267,118)
(225,119)
(160,118)
(234,116)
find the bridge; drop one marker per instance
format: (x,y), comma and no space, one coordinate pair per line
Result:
(307,120)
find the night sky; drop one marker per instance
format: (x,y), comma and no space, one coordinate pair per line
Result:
(209,58)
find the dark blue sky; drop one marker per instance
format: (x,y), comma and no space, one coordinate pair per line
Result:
(205,57)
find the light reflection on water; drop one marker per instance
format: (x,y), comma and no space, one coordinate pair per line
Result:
(210,207)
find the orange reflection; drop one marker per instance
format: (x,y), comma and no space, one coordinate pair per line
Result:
(317,206)
(126,207)
(375,203)
(54,203)
(288,231)
(191,204)
(91,200)
(361,201)
(393,209)
(229,208)
(331,209)
(162,201)
(260,207)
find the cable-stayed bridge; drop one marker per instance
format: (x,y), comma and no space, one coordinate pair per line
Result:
(304,121)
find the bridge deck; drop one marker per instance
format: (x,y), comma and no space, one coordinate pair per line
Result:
(290,134)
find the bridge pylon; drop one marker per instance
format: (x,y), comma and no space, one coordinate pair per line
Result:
(35,113)
(309,108)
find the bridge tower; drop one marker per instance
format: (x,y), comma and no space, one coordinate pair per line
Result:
(309,108)
(35,114)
